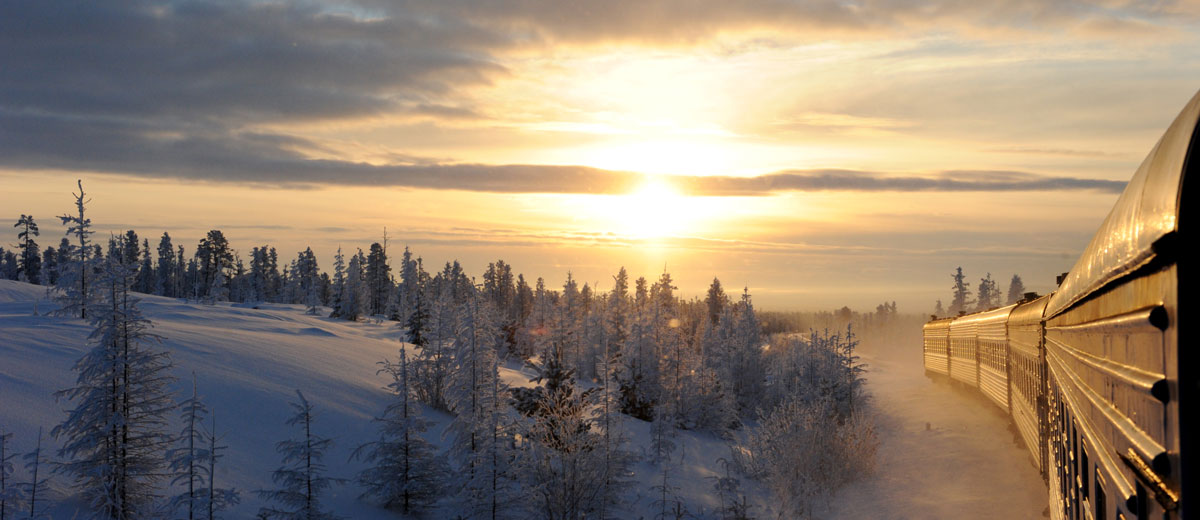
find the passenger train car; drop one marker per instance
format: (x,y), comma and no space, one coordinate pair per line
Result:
(1100,376)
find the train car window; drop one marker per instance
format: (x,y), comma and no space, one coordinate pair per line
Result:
(1141,502)
(1083,472)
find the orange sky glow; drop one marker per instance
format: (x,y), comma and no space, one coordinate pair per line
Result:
(822,154)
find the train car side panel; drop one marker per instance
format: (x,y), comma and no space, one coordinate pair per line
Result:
(1109,357)
(992,333)
(937,347)
(964,346)
(1027,377)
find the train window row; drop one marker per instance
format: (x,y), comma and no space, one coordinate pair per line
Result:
(1081,482)
(992,355)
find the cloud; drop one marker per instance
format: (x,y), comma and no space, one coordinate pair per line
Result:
(1064,152)
(855,180)
(540,22)
(216,62)
(40,142)
(207,90)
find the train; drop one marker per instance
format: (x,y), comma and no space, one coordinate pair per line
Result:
(1100,376)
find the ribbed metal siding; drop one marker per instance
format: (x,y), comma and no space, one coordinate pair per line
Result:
(1027,376)
(937,346)
(1111,363)
(964,345)
(992,330)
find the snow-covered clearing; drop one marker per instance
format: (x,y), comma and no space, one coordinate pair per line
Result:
(967,464)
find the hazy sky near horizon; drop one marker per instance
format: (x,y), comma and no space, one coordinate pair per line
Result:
(823,153)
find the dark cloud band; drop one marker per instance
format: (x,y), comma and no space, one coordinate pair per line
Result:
(30,141)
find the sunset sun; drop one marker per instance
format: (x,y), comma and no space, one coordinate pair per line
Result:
(655,209)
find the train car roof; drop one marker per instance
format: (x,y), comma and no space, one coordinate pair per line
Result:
(1147,211)
(1032,310)
(998,313)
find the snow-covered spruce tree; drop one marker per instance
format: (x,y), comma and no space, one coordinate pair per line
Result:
(9,491)
(473,396)
(673,359)
(815,435)
(301,477)
(433,363)
(114,437)
(407,473)
(734,505)
(30,259)
(407,289)
(36,487)
(662,445)
(308,280)
(351,299)
(218,291)
(339,284)
(75,278)
(192,460)
(638,376)
(748,374)
(616,459)
(564,466)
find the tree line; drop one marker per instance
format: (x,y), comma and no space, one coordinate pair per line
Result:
(987,295)
(600,357)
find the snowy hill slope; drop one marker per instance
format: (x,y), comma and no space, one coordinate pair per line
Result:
(248,361)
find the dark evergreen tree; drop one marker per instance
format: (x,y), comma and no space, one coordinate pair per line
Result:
(75,278)
(1016,290)
(130,252)
(378,281)
(50,266)
(214,259)
(10,496)
(988,295)
(10,265)
(960,302)
(145,277)
(715,300)
(30,257)
(168,270)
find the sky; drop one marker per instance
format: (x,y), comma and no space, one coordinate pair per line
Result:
(821,153)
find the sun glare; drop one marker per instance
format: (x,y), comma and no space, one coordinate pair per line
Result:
(654,210)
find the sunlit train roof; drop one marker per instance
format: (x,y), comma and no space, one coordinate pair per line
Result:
(1147,210)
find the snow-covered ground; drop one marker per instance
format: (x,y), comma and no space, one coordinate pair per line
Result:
(944,452)
(249,361)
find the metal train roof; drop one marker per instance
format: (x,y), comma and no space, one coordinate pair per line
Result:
(1147,211)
